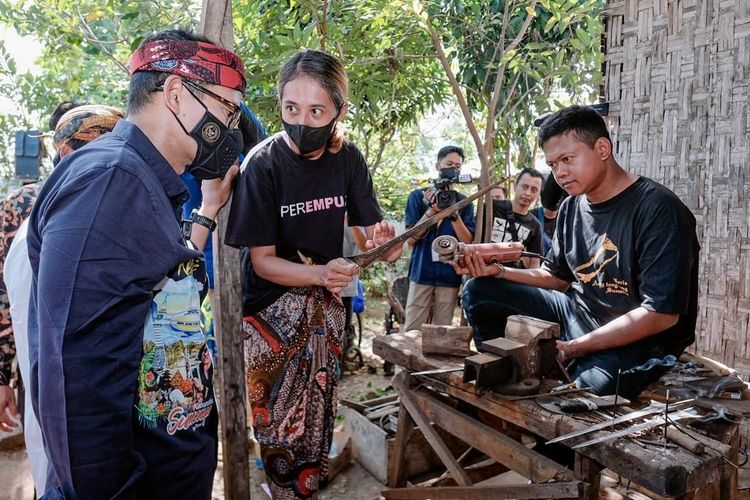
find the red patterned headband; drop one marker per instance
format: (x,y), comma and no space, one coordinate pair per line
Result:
(198,60)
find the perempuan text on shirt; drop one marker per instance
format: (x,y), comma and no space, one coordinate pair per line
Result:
(306,207)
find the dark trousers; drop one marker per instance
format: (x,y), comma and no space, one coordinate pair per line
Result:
(488,302)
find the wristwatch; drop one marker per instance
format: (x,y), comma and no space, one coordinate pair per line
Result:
(204,221)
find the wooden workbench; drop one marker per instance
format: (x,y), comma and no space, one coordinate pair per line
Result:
(669,472)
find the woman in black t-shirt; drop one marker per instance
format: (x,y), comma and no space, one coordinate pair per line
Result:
(288,217)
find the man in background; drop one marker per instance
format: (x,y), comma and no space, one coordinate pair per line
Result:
(77,127)
(433,285)
(511,218)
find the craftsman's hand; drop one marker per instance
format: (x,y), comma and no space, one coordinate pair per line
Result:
(337,274)
(566,351)
(10,418)
(471,263)
(216,192)
(382,233)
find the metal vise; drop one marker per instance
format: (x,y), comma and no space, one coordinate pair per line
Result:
(449,250)
(515,364)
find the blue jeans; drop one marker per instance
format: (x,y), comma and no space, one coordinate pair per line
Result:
(488,302)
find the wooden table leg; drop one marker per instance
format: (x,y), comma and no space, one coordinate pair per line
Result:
(589,471)
(425,426)
(730,474)
(397,465)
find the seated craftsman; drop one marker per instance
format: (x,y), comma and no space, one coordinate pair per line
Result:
(622,274)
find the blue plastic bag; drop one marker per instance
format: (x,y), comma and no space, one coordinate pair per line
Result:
(358,301)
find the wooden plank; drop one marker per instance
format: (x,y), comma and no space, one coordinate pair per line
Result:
(547,490)
(444,339)
(730,474)
(494,444)
(406,396)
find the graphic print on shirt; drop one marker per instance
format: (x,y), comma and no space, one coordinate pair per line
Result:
(502,233)
(175,380)
(606,252)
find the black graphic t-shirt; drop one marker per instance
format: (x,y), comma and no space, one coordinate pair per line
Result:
(509,226)
(298,205)
(636,249)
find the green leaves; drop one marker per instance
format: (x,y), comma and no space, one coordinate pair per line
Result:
(395,77)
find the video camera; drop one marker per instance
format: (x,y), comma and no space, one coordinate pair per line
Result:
(445,197)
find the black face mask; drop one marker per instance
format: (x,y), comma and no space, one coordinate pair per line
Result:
(451,173)
(309,139)
(218,147)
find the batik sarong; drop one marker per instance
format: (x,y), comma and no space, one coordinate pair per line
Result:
(293,353)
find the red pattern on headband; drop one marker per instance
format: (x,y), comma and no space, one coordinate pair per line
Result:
(199,60)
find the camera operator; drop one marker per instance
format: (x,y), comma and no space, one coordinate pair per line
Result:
(433,285)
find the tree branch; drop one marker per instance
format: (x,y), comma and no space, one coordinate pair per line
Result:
(489,131)
(91,37)
(438,44)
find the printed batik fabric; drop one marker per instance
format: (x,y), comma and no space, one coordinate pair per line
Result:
(293,353)
(16,209)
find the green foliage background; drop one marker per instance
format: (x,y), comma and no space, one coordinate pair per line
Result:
(402,108)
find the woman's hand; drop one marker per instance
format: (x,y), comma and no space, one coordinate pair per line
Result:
(337,274)
(382,233)
(10,418)
(473,264)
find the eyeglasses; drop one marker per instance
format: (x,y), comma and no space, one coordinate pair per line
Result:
(236,111)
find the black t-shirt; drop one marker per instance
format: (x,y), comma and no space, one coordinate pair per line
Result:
(636,249)
(298,205)
(510,226)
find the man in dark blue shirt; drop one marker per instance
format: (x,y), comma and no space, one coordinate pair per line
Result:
(433,285)
(120,377)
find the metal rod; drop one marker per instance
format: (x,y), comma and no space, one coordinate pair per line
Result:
(617,391)
(666,420)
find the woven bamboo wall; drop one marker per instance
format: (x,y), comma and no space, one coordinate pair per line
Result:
(678,78)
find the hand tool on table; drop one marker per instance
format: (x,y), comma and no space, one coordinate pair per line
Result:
(440,370)
(651,409)
(562,390)
(365,259)
(711,387)
(557,404)
(656,443)
(649,424)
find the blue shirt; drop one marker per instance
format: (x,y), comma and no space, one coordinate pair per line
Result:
(103,237)
(422,270)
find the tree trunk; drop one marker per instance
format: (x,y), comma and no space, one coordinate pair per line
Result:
(216,24)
